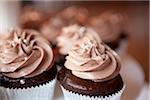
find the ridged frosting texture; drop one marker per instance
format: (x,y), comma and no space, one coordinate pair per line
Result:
(24,53)
(93,60)
(72,34)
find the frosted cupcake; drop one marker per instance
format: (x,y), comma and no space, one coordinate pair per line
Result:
(26,66)
(91,72)
(75,15)
(70,36)
(110,27)
(51,28)
(32,18)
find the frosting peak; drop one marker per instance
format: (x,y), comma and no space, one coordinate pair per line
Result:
(25,54)
(92,60)
(72,34)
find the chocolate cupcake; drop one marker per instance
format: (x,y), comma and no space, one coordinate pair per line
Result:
(51,28)
(31,18)
(91,72)
(70,36)
(109,25)
(75,15)
(27,70)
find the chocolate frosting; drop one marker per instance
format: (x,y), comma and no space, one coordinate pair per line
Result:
(93,60)
(75,14)
(25,54)
(72,34)
(68,16)
(109,25)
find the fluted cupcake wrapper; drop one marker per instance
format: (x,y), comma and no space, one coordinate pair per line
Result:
(69,95)
(41,92)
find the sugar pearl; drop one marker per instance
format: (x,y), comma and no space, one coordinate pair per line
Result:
(25,58)
(22,81)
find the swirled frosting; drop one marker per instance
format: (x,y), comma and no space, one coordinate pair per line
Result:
(72,34)
(24,54)
(109,25)
(92,60)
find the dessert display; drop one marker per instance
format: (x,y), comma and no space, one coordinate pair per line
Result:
(109,26)
(70,36)
(65,54)
(91,72)
(27,66)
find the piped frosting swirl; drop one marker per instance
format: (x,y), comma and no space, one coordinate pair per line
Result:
(25,54)
(92,60)
(72,34)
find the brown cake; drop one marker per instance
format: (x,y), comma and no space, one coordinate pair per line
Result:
(91,70)
(45,77)
(89,87)
(26,60)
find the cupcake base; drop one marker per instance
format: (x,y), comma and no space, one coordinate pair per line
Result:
(41,92)
(89,87)
(40,87)
(41,79)
(69,95)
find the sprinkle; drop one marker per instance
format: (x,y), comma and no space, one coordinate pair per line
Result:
(25,58)
(22,81)
(24,40)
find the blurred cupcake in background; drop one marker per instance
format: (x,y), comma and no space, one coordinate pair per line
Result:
(31,18)
(75,15)
(69,36)
(27,69)
(110,27)
(71,15)
(91,72)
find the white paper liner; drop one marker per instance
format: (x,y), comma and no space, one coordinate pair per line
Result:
(69,95)
(41,92)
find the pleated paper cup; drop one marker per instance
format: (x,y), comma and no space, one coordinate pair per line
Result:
(69,95)
(41,92)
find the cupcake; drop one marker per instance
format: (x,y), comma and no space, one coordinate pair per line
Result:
(27,71)
(109,25)
(51,28)
(75,15)
(31,18)
(69,37)
(91,72)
